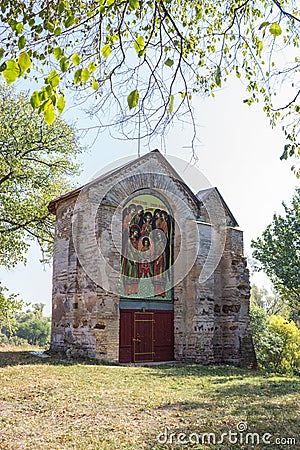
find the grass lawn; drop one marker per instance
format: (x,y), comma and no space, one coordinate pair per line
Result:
(56,404)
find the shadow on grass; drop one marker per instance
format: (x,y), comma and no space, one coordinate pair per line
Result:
(27,357)
(23,357)
(233,377)
(264,387)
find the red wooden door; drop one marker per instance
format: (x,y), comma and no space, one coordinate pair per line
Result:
(164,336)
(146,336)
(126,336)
(143,339)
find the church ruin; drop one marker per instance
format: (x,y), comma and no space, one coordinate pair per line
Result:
(145,270)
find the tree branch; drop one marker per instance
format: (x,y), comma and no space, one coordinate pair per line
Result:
(288,104)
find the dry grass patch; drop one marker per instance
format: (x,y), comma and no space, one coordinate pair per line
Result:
(55,404)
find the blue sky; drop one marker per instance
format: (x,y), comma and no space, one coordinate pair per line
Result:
(238,152)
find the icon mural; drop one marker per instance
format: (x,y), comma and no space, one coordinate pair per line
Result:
(147,249)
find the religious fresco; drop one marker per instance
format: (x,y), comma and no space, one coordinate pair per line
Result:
(147,256)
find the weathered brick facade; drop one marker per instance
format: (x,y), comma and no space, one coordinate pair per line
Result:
(210,298)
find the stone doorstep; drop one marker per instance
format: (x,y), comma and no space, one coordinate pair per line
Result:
(154,363)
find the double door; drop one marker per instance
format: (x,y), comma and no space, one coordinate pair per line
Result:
(146,336)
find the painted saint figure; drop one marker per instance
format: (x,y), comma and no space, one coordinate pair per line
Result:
(159,264)
(130,265)
(138,218)
(145,258)
(163,223)
(128,214)
(147,225)
(156,219)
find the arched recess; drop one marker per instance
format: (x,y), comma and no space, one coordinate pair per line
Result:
(146,300)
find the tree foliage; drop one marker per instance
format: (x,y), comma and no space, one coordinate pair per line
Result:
(272,302)
(9,306)
(36,161)
(278,251)
(33,326)
(276,341)
(144,60)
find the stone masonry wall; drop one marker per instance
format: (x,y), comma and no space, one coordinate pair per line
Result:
(232,339)
(85,318)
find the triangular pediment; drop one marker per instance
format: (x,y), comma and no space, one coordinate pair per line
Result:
(152,163)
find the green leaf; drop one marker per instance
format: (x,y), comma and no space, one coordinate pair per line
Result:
(24,61)
(64,64)
(171,104)
(70,21)
(169,62)
(57,52)
(19,28)
(49,114)
(77,76)
(134,4)
(21,42)
(95,84)
(92,66)
(39,29)
(11,72)
(85,75)
(264,25)
(139,44)
(218,76)
(49,26)
(57,31)
(61,7)
(43,94)
(35,100)
(53,79)
(61,103)
(285,153)
(275,29)
(106,50)
(2,51)
(133,99)
(76,59)
(12,23)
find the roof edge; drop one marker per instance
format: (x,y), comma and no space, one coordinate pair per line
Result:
(214,188)
(53,203)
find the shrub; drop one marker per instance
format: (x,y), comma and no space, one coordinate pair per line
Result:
(288,356)
(276,341)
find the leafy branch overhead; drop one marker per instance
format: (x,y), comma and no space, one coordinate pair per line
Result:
(143,61)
